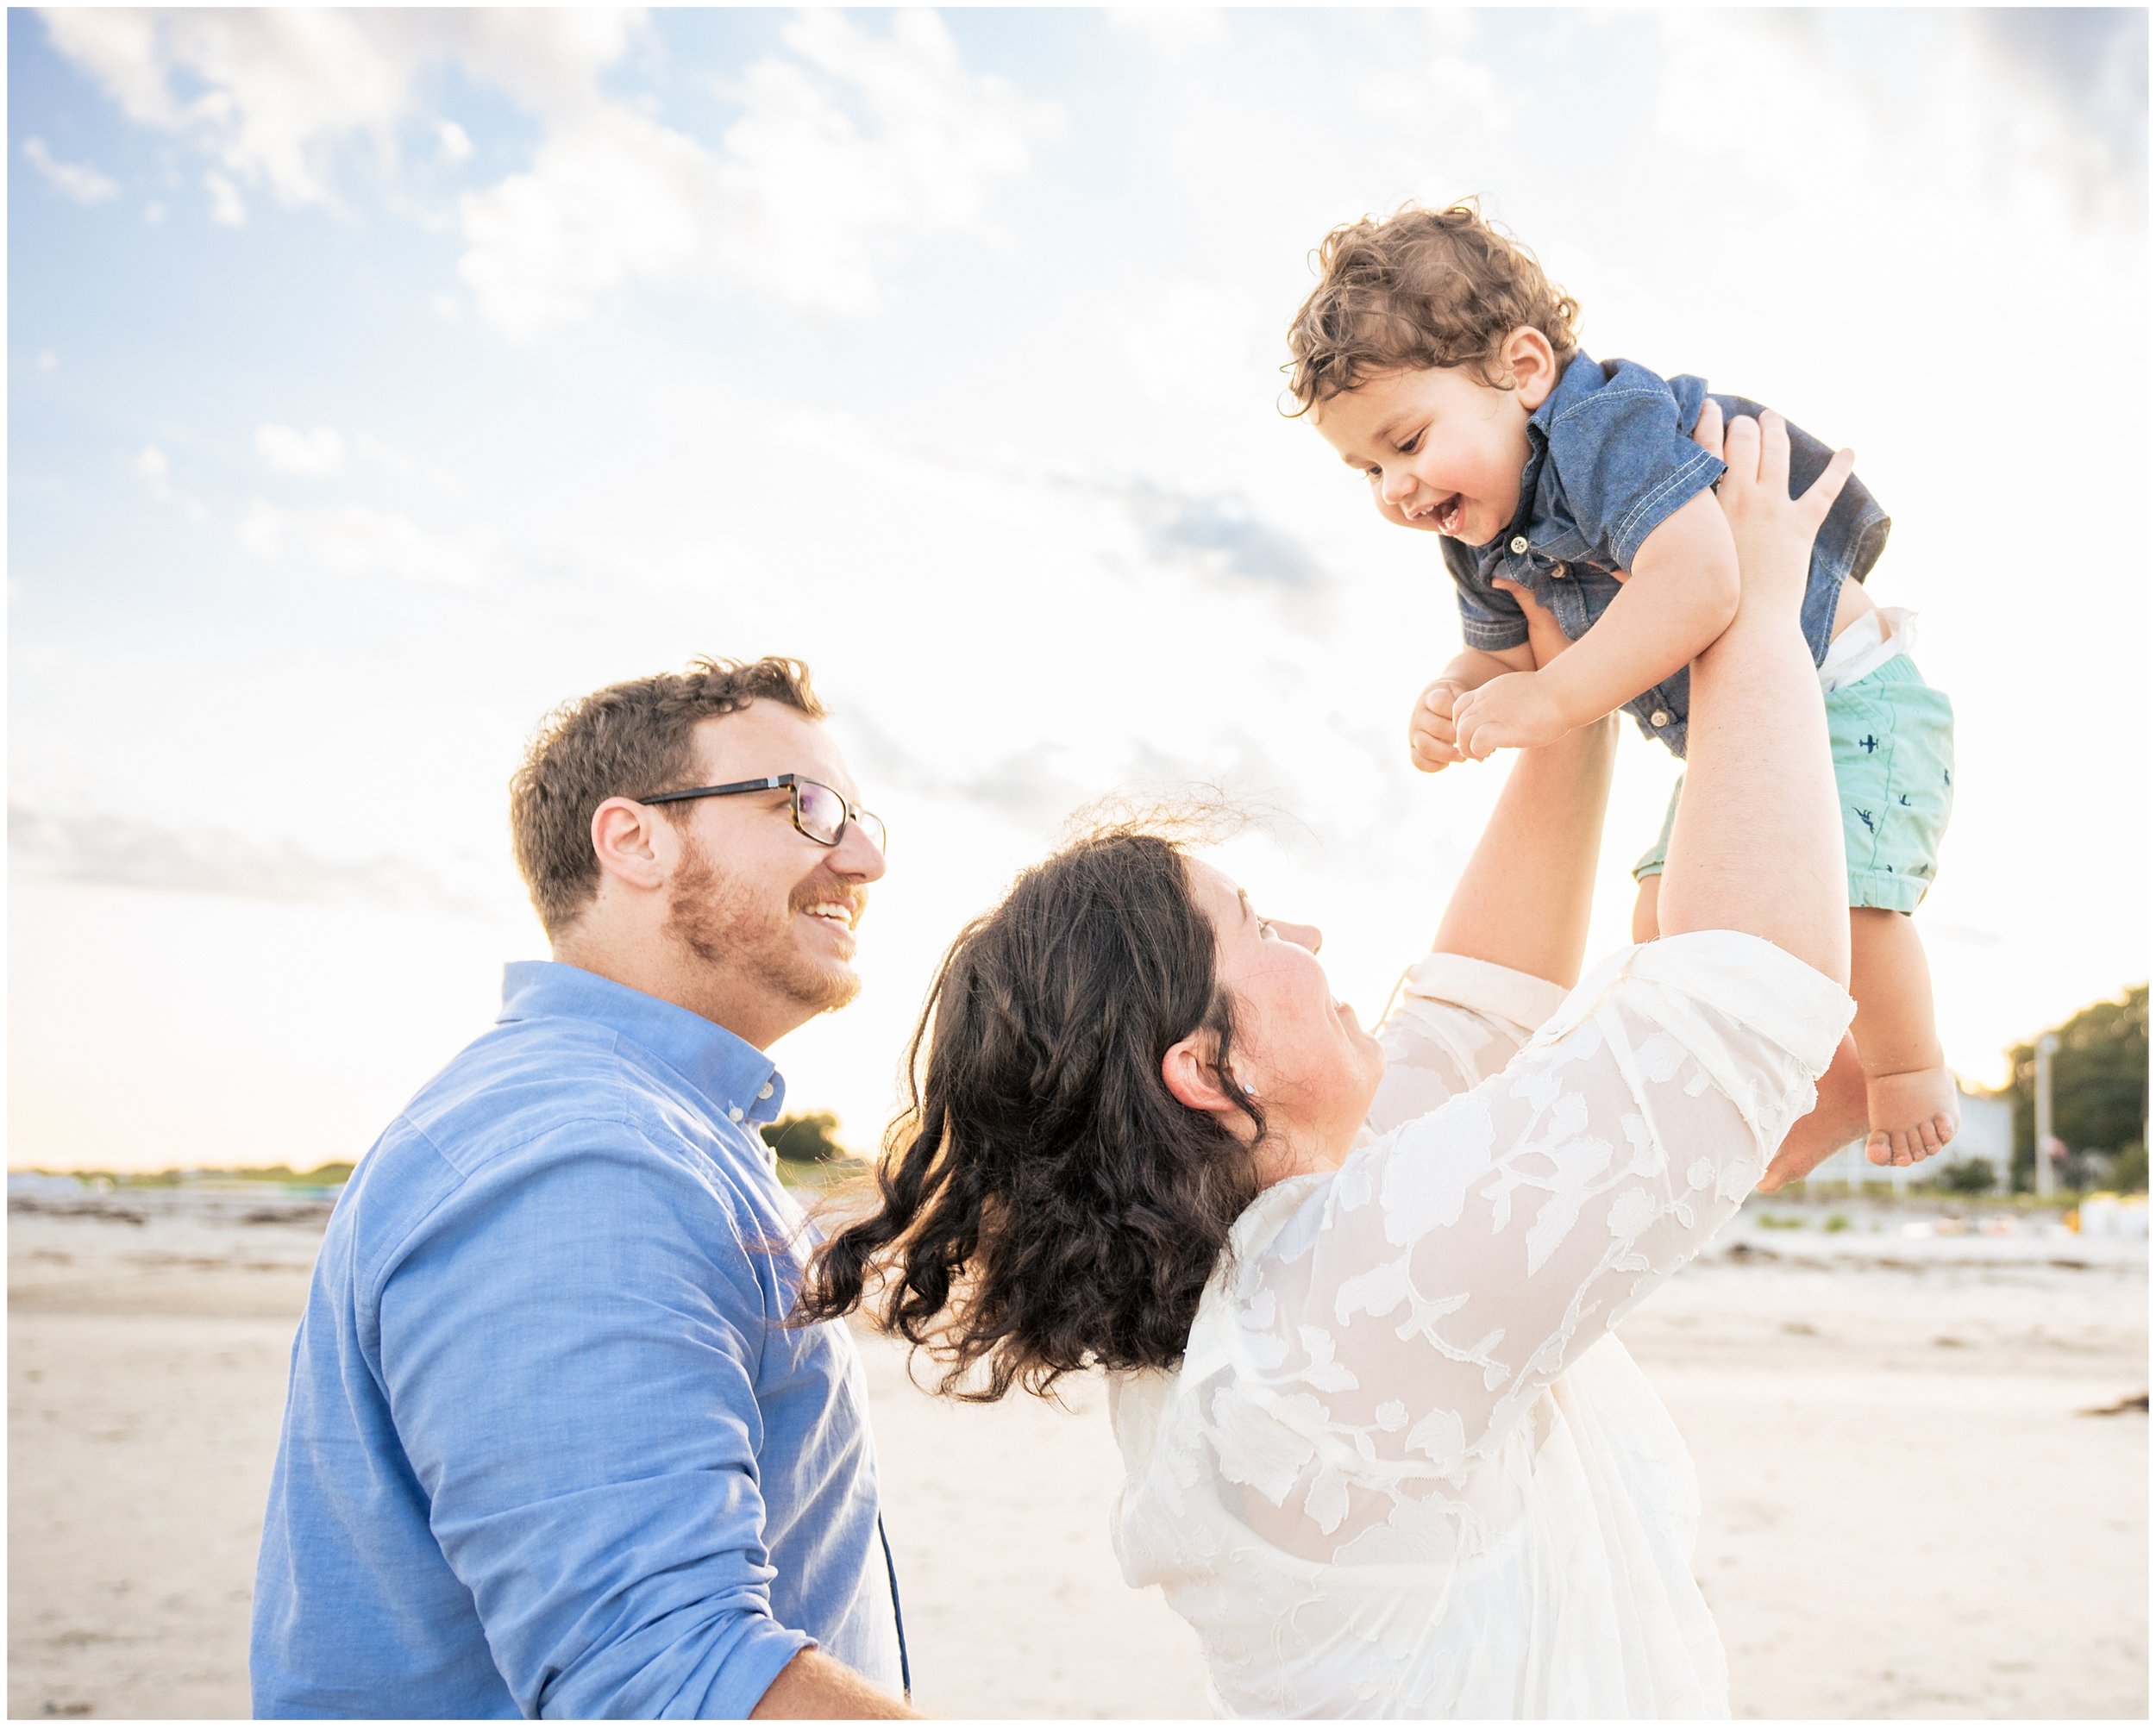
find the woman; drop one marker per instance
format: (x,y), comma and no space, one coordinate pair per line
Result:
(1355,1293)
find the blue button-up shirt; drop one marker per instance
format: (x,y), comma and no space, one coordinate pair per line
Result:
(549,1449)
(1611,459)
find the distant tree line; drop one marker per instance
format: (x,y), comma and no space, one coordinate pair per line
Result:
(2099,1089)
(811,1138)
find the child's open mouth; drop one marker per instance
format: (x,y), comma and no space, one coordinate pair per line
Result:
(1448,514)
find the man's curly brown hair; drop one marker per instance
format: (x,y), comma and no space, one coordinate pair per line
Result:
(1045,1205)
(1423,288)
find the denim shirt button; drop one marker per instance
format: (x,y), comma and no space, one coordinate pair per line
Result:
(1519,544)
(1660,717)
(764,1093)
(1558,572)
(733,1112)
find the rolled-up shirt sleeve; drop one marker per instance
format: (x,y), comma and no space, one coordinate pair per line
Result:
(569,1346)
(1457,1264)
(1625,463)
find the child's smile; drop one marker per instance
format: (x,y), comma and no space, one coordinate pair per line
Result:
(1443,450)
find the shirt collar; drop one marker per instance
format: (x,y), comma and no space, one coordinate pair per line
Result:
(733,1074)
(1582,374)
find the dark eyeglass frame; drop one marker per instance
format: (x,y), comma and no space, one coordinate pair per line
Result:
(872,826)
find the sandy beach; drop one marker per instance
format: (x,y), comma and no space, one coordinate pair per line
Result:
(1907,1511)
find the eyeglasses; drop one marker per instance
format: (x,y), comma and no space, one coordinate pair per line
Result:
(819,811)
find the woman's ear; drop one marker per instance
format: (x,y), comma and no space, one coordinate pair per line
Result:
(1533,365)
(1187,1072)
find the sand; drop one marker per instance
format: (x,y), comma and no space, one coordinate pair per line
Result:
(1905,1514)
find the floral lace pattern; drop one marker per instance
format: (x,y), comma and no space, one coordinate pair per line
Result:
(1404,1469)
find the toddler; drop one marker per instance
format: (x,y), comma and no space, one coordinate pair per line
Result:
(1435,356)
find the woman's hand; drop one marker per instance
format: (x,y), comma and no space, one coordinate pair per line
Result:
(1773,531)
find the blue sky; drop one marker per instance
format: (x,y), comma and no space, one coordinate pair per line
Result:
(377,380)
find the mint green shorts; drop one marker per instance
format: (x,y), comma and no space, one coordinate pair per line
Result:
(1892,736)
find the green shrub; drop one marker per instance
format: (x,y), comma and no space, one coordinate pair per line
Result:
(1965,1175)
(806,1138)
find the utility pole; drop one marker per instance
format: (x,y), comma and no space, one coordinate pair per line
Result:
(2044,1175)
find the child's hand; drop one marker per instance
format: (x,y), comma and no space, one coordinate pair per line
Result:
(1515,711)
(1431,746)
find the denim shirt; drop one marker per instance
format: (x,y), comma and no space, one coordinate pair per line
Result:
(551,1448)
(1611,459)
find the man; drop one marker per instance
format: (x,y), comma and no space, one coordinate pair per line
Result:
(551,1448)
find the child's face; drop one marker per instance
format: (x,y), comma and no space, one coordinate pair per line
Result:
(1443,450)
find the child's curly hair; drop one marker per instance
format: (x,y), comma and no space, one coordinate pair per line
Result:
(1422,288)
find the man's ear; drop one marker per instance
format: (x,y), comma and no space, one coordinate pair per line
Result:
(625,837)
(1533,364)
(1187,1071)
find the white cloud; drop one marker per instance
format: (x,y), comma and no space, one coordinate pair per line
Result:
(226,208)
(402,464)
(796,201)
(448,307)
(153,212)
(356,540)
(273,94)
(861,139)
(155,469)
(47,361)
(1171,30)
(79,180)
(319,454)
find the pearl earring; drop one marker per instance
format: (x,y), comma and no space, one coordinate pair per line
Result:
(1249,1089)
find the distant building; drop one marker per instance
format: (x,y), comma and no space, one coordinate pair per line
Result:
(28,1184)
(1986,1135)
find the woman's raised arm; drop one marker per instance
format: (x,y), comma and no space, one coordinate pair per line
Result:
(1758,845)
(1523,900)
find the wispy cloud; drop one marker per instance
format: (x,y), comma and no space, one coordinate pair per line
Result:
(274,95)
(2090,63)
(358,540)
(116,852)
(79,180)
(227,208)
(155,469)
(855,141)
(1220,534)
(797,201)
(1172,31)
(319,454)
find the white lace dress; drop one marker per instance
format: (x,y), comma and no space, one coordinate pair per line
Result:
(1404,1468)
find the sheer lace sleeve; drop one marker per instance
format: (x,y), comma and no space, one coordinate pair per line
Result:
(1418,1302)
(1456,1022)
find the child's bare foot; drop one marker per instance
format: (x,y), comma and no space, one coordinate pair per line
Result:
(1912,1114)
(1837,1118)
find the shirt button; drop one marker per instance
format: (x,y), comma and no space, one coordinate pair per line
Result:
(1660,717)
(1558,572)
(733,1112)
(1519,543)
(764,1093)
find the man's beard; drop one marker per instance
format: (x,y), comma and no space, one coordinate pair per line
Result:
(722,925)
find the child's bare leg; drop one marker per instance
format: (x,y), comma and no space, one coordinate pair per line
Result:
(1841,1114)
(1647,919)
(1909,1096)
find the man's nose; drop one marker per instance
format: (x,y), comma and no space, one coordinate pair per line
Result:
(1303,935)
(857,854)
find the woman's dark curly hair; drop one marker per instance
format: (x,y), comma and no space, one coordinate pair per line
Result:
(1045,1205)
